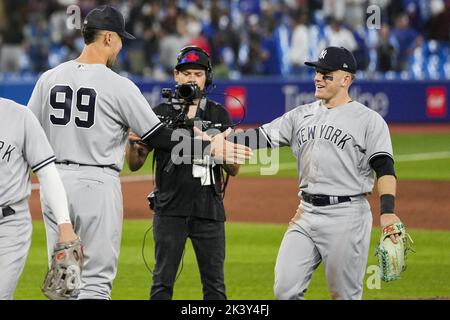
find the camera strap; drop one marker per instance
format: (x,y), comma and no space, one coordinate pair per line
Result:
(201,108)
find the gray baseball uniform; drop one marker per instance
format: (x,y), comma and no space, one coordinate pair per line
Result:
(86,111)
(333,148)
(23,144)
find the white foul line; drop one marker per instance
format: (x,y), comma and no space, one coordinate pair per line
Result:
(399,158)
(422,156)
(293,165)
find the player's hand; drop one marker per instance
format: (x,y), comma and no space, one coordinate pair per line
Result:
(199,134)
(387,219)
(224,151)
(133,137)
(136,141)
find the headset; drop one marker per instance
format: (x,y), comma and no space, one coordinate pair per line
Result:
(209,71)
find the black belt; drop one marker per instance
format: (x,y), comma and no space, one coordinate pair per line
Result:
(88,165)
(320,200)
(7,211)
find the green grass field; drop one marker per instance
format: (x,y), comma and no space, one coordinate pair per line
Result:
(252,248)
(249,264)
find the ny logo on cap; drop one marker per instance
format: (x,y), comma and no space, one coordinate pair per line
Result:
(323,54)
(344,65)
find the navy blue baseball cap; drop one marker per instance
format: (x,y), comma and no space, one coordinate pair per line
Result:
(335,58)
(107,18)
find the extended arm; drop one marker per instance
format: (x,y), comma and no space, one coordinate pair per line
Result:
(55,195)
(387,183)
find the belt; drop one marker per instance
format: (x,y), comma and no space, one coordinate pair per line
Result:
(320,200)
(88,165)
(7,211)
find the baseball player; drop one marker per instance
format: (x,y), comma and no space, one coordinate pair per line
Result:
(86,110)
(23,145)
(339,144)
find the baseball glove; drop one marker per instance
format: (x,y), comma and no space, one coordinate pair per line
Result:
(63,279)
(392,256)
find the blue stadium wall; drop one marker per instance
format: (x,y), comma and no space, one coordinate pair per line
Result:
(265,99)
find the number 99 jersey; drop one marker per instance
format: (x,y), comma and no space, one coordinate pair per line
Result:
(86,111)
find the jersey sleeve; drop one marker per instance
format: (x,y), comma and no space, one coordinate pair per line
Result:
(378,139)
(35,102)
(137,113)
(37,150)
(279,132)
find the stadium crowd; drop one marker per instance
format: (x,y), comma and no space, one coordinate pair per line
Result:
(244,37)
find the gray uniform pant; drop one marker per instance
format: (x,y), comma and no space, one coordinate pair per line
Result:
(338,235)
(15,240)
(96,211)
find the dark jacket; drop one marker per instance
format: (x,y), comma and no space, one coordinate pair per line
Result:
(177,192)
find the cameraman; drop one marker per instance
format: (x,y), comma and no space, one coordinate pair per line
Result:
(188,197)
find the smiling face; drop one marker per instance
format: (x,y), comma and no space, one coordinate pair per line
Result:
(330,84)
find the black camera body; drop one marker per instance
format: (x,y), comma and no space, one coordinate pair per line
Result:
(184,96)
(187,92)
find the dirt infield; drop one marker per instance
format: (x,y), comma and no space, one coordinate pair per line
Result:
(423,204)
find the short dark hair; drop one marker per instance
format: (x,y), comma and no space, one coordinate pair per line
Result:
(90,34)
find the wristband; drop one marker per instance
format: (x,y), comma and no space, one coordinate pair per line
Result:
(387,203)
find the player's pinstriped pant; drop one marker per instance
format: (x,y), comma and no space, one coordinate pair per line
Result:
(15,240)
(338,235)
(96,211)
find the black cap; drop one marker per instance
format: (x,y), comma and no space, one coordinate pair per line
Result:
(107,18)
(334,58)
(193,57)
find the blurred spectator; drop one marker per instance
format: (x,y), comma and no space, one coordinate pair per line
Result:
(245,37)
(172,42)
(405,40)
(299,42)
(355,14)
(251,54)
(439,25)
(339,36)
(418,12)
(386,56)
(361,52)
(12,51)
(38,41)
(334,9)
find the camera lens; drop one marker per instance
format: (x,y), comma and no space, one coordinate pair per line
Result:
(186,91)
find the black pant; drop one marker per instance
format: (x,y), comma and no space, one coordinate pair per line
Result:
(208,239)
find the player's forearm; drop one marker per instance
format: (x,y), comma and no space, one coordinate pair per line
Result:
(386,189)
(54,193)
(252,138)
(387,185)
(231,169)
(188,146)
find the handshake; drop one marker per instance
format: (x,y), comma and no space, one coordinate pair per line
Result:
(223,151)
(220,149)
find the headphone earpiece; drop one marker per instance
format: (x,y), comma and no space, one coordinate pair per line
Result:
(209,71)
